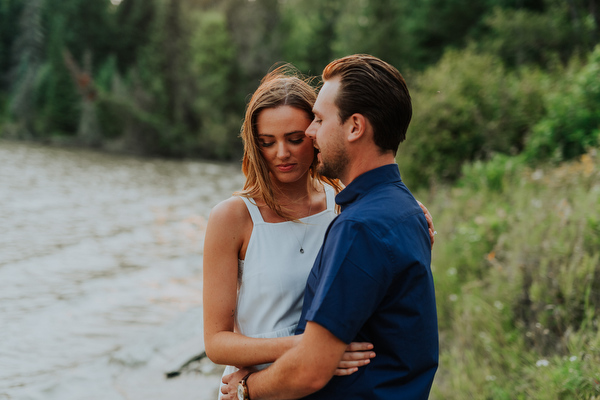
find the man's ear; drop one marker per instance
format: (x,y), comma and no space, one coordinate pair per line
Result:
(357,125)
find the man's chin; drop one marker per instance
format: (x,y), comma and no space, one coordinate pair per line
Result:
(324,171)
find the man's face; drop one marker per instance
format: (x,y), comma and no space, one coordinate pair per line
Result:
(328,134)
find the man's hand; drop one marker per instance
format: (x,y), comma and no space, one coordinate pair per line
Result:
(230,382)
(357,354)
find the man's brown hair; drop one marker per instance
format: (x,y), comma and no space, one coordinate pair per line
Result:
(377,90)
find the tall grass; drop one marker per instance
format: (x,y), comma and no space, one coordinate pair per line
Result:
(517,270)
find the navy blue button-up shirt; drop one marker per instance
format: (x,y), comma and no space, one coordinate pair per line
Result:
(372,282)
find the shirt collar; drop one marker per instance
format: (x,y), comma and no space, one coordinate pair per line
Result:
(365,182)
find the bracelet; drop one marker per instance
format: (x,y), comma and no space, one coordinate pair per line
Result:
(244,383)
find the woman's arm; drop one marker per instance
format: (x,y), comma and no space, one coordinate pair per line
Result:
(228,230)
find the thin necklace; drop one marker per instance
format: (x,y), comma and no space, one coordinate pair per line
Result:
(305,229)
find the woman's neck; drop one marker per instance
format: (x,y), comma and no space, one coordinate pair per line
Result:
(297,199)
(294,193)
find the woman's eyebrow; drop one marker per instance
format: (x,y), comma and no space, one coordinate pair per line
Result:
(285,134)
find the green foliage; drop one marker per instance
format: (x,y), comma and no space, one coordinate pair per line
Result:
(482,74)
(164,77)
(110,117)
(132,21)
(58,99)
(517,272)
(87,26)
(10,10)
(527,37)
(26,56)
(435,25)
(572,122)
(3,116)
(493,175)
(254,27)
(466,108)
(308,42)
(378,28)
(213,65)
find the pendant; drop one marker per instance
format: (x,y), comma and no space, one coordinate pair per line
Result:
(301,250)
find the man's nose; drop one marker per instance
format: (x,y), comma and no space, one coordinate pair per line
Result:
(310,131)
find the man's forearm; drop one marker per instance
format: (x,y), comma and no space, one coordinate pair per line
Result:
(302,370)
(288,378)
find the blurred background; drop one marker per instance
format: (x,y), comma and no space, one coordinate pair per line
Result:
(119,130)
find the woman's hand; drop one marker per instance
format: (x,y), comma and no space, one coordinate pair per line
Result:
(229,384)
(357,354)
(429,219)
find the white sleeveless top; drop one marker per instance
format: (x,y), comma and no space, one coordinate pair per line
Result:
(272,278)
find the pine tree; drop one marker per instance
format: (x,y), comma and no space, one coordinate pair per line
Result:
(26,57)
(133,22)
(253,27)
(213,66)
(59,99)
(10,10)
(88,26)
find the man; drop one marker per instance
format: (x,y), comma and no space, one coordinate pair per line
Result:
(371,281)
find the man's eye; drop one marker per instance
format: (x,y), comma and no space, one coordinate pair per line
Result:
(318,121)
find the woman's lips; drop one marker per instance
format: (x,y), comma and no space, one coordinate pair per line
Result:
(285,167)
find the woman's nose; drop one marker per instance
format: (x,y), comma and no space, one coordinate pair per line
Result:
(282,151)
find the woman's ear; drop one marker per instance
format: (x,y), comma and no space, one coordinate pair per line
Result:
(358,126)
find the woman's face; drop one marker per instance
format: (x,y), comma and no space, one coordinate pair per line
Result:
(287,150)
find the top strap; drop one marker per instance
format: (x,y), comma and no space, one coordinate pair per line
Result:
(330,196)
(257,216)
(253,210)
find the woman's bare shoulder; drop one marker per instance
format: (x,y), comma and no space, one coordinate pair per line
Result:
(232,211)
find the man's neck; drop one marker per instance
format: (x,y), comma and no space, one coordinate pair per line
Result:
(365,163)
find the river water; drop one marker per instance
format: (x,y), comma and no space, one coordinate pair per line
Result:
(101,274)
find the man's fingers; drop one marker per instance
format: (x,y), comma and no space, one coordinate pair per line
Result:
(358,355)
(359,346)
(353,364)
(345,371)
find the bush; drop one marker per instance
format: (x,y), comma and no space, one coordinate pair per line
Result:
(493,175)
(466,108)
(572,123)
(517,272)
(521,36)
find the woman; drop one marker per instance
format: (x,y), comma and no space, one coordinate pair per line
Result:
(261,243)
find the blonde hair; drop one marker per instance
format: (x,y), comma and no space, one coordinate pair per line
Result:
(283,86)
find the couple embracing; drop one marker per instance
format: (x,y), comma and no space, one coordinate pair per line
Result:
(317,278)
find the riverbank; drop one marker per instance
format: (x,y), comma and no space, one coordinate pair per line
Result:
(100,273)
